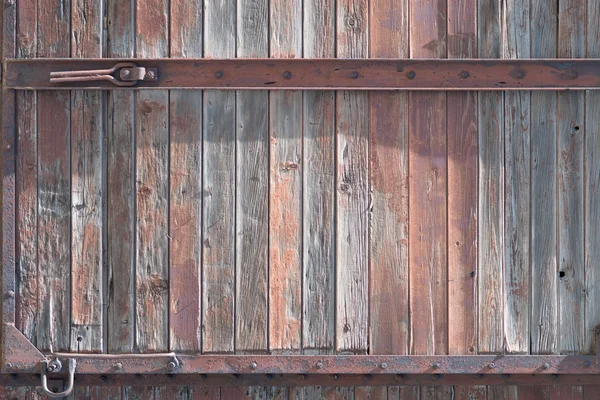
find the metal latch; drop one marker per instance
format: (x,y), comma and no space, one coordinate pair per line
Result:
(56,366)
(127,74)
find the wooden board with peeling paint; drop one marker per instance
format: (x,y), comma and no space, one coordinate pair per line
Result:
(314,222)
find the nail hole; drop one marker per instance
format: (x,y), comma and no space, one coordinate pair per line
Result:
(287,75)
(576,129)
(411,75)
(355,75)
(79,338)
(561,274)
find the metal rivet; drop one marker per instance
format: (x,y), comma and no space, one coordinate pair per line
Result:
(219,74)
(546,366)
(435,365)
(411,75)
(355,75)
(384,365)
(254,365)
(464,74)
(119,365)
(287,75)
(491,365)
(319,365)
(126,72)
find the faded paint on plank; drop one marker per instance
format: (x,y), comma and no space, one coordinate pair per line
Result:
(517,158)
(285,198)
(462,188)
(120,188)
(353,206)
(544,274)
(185,201)
(54,187)
(252,185)
(427,188)
(27,305)
(152,186)
(592,189)
(218,235)
(571,137)
(87,180)
(388,165)
(318,186)
(491,191)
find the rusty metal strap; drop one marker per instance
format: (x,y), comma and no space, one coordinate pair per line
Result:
(311,74)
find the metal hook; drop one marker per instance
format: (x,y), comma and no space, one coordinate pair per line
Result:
(65,393)
(129,75)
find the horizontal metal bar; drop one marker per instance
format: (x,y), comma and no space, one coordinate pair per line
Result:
(315,74)
(304,380)
(338,364)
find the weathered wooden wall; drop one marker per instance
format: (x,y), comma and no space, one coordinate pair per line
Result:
(309,222)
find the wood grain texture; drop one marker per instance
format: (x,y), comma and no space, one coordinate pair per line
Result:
(491,190)
(285,186)
(427,188)
(27,305)
(219,171)
(54,187)
(517,161)
(544,274)
(388,165)
(152,186)
(353,206)
(592,190)
(185,199)
(120,184)
(87,187)
(571,137)
(462,188)
(318,186)
(252,187)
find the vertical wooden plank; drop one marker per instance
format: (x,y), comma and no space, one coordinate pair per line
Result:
(571,136)
(318,186)
(566,392)
(462,187)
(544,275)
(591,392)
(352,192)
(388,165)
(219,171)
(152,186)
(427,188)
(252,187)
(285,197)
(491,190)
(27,306)
(592,189)
(185,129)
(207,393)
(120,187)
(503,393)
(531,392)
(472,393)
(87,152)
(54,186)
(517,132)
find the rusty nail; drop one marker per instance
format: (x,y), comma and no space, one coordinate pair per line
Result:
(411,75)
(254,365)
(492,365)
(384,365)
(287,75)
(319,365)
(435,365)
(546,366)
(219,74)
(119,365)
(355,75)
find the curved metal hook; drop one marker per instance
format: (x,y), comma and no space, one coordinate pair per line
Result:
(47,392)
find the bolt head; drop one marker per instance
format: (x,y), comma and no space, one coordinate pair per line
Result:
(119,365)
(384,365)
(9,365)
(172,365)
(319,365)
(492,365)
(151,74)
(254,365)
(546,366)
(435,365)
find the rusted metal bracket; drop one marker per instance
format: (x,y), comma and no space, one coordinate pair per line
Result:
(307,74)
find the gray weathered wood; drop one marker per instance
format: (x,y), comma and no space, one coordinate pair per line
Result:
(218,237)
(353,206)
(544,276)
(491,190)
(252,187)
(185,199)
(517,133)
(120,186)
(318,186)
(570,155)
(592,188)
(152,186)
(285,197)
